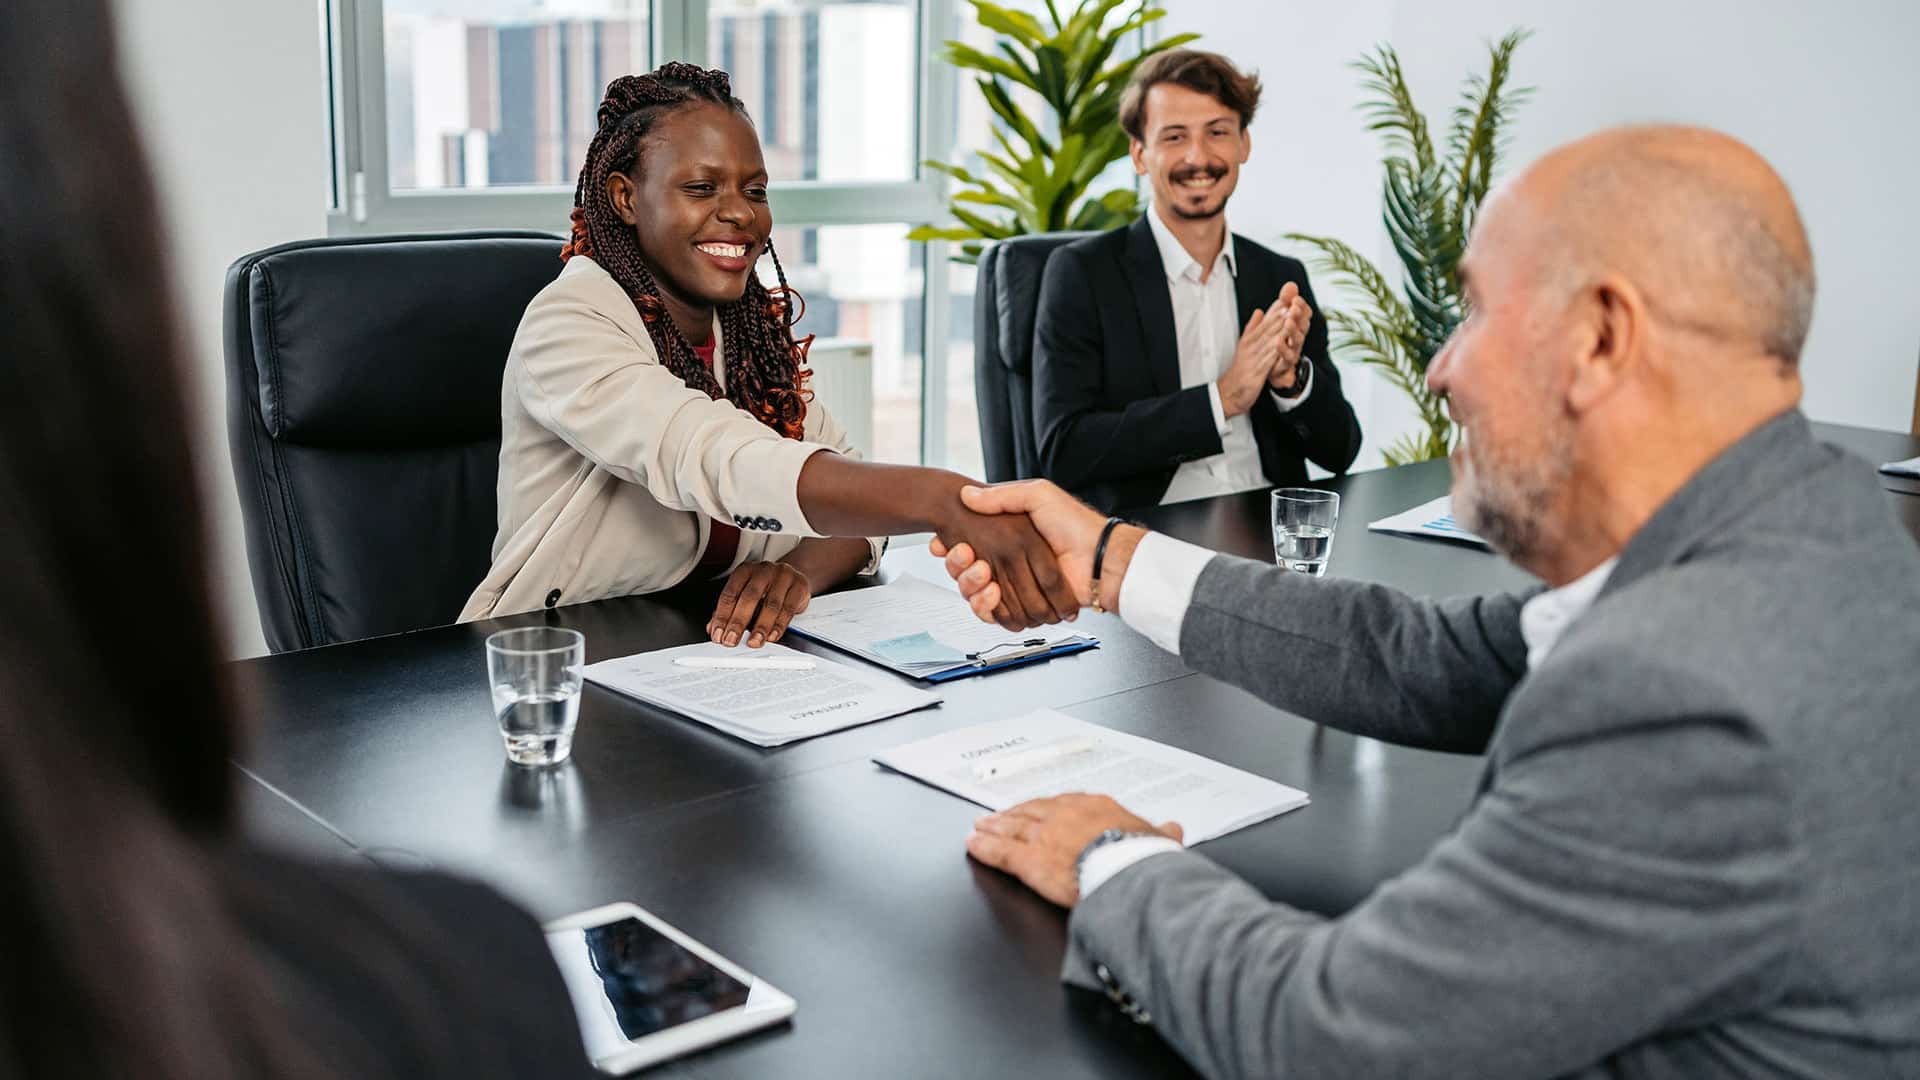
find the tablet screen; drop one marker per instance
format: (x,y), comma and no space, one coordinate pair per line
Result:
(628,980)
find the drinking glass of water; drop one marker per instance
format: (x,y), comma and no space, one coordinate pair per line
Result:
(1303,521)
(535,673)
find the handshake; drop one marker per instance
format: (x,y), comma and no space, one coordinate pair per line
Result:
(1007,579)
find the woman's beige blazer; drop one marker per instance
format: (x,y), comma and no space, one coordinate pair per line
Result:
(610,466)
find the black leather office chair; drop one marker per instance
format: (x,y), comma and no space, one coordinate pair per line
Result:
(363,409)
(1007,294)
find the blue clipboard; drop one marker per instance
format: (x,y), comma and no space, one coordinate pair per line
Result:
(1013,660)
(963,668)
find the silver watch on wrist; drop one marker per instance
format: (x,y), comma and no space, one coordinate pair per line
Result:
(1110,836)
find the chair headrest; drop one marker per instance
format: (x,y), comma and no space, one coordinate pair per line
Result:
(1022,260)
(388,341)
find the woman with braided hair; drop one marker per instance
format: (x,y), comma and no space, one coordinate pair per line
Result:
(657,426)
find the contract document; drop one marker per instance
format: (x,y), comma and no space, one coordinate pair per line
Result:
(1048,753)
(1433,519)
(764,705)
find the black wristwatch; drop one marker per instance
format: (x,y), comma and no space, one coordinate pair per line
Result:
(1111,836)
(1302,371)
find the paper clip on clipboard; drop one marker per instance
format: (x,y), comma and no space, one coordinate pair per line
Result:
(1013,654)
(1015,651)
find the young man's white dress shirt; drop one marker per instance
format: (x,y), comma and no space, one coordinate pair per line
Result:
(1206,328)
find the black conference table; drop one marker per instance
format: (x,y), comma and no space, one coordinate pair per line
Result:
(842,883)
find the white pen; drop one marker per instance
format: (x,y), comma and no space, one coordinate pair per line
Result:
(1023,760)
(744,663)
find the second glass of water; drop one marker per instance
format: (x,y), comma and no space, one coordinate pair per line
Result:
(535,674)
(1303,523)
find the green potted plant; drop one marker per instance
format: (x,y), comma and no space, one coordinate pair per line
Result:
(1039,177)
(1431,197)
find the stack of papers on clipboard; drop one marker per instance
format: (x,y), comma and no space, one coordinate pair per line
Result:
(769,705)
(1433,519)
(1045,753)
(926,631)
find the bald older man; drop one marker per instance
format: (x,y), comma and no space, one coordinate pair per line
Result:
(1695,850)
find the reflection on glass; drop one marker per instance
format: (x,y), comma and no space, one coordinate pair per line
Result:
(495,93)
(829,84)
(654,982)
(864,282)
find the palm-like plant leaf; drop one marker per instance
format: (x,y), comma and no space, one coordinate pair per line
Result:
(1358,336)
(1352,270)
(1087,19)
(1429,248)
(1028,68)
(1109,211)
(1038,173)
(1011,114)
(1391,111)
(966,56)
(1018,25)
(1475,141)
(1428,206)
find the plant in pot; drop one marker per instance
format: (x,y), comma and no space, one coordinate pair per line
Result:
(1430,197)
(1038,178)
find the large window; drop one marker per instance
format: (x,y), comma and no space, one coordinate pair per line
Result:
(830,86)
(463,114)
(865,282)
(496,93)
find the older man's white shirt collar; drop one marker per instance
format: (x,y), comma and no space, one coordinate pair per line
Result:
(1546,617)
(1175,258)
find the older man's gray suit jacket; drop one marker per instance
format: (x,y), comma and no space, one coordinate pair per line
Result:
(1696,847)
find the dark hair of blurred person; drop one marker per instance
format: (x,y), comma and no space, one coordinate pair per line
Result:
(140,936)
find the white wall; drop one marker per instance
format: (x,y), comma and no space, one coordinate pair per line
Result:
(1827,92)
(231,95)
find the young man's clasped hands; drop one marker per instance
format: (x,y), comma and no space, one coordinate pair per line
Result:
(1268,355)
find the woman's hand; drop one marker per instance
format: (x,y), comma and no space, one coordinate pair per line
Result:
(758,602)
(1032,590)
(842,496)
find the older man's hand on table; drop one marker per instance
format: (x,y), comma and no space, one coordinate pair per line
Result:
(1040,841)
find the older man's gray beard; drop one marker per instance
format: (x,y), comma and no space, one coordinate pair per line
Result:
(1511,508)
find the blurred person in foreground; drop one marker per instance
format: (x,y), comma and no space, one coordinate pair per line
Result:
(143,936)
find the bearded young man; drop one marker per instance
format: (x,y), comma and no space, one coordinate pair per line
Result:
(1695,849)
(1172,359)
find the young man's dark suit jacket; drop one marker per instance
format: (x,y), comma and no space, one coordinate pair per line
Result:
(1111,420)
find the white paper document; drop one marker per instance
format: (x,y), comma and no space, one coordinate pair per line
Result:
(1909,467)
(764,706)
(1048,753)
(920,629)
(1428,519)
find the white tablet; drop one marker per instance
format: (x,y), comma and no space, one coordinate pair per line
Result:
(645,992)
